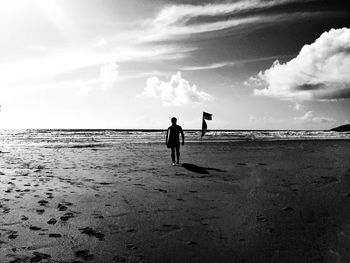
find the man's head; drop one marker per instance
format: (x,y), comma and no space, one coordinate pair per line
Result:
(173,120)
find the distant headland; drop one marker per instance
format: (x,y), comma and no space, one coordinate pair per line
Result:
(342,128)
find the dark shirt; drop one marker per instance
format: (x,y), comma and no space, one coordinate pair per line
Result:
(173,135)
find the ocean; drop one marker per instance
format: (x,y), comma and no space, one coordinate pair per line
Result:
(69,138)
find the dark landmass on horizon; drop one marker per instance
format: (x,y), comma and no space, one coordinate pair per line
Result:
(342,128)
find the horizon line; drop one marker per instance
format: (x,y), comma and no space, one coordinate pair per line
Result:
(156,129)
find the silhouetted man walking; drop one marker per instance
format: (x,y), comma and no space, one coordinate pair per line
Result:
(173,139)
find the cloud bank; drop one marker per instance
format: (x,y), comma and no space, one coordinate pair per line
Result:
(309,117)
(321,71)
(176,92)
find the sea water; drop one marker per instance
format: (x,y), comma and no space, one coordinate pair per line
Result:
(63,138)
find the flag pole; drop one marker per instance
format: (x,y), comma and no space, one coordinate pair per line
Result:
(202,127)
(206,116)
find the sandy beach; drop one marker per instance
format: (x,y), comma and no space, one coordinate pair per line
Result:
(257,201)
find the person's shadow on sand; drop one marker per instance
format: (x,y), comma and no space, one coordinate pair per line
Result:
(197,169)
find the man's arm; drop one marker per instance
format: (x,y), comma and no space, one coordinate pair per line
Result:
(166,139)
(183,136)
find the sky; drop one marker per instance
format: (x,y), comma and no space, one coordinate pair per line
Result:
(119,64)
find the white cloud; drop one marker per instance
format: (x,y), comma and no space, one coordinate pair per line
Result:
(84,87)
(320,71)
(176,92)
(60,61)
(164,31)
(309,117)
(183,13)
(228,63)
(178,20)
(211,66)
(108,75)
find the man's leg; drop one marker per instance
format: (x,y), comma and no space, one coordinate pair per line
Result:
(173,154)
(178,153)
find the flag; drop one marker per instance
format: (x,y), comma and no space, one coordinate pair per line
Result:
(206,116)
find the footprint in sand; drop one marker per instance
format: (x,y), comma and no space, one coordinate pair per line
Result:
(35,228)
(62,207)
(90,232)
(287,209)
(261,218)
(40,211)
(43,202)
(130,246)
(104,183)
(84,254)
(24,218)
(17,259)
(52,221)
(139,184)
(67,216)
(160,190)
(39,257)
(68,203)
(55,235)
(12,236)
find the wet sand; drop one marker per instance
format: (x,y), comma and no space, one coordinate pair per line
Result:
(286,201)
